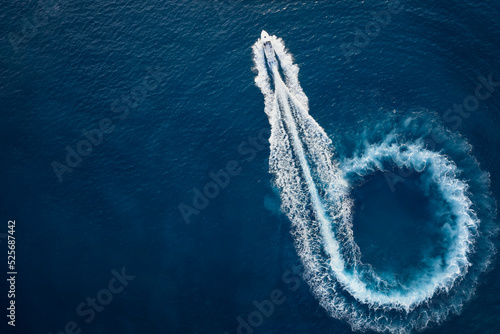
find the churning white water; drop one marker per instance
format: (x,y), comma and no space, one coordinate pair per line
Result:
(315,188)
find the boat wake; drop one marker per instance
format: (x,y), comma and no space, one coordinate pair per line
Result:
(316,186)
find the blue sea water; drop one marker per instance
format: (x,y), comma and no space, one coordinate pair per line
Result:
(172,82)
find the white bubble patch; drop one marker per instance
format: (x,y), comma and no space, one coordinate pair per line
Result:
(315,189)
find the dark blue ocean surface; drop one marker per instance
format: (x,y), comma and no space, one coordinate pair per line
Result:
(115,116)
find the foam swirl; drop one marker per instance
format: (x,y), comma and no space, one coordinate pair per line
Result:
(315,188)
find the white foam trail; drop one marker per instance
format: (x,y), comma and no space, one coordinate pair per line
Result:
(314,191)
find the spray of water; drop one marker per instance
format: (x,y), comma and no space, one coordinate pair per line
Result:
(315,188)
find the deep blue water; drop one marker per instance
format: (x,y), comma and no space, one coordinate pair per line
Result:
(119,208)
